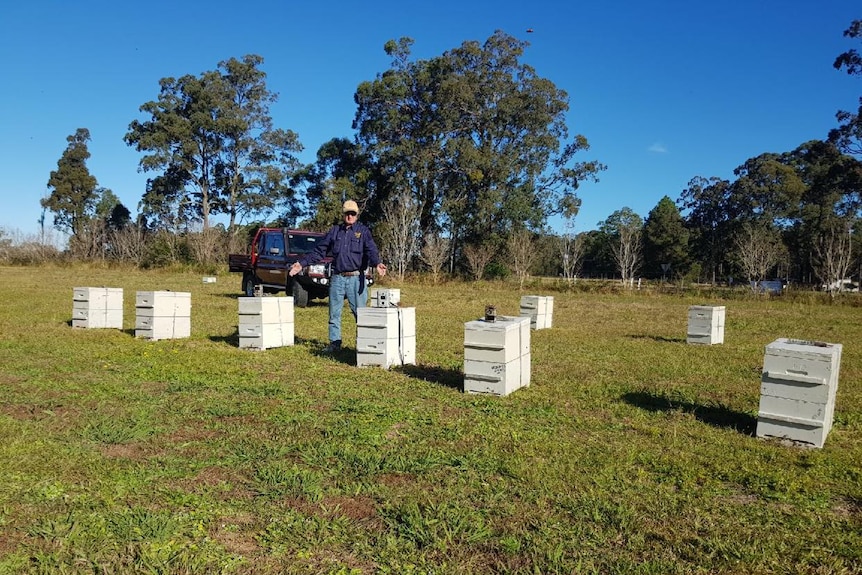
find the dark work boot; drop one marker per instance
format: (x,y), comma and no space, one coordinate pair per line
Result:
(333,347)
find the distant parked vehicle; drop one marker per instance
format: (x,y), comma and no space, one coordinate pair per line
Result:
(767,286)
(841,285)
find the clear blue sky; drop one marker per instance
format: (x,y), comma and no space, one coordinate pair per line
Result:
(664,91)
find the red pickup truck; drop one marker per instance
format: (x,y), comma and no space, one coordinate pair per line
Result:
(272,252)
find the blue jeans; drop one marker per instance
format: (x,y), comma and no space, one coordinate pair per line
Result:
(340,288)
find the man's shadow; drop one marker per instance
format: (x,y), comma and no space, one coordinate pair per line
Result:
(452,378)
(715,415)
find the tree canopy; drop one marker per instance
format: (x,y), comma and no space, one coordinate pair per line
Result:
(211,141)
(848,135)
(477,135)
(665,240)
(73,189)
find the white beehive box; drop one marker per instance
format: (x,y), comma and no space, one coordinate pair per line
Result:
(540,310)
(385,297)
(97,307)
(163,314)
(385,336)
(497,355)
(265,336)
(797,390)
(265,322)
(705,324)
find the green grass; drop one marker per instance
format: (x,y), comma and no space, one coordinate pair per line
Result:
(631,452)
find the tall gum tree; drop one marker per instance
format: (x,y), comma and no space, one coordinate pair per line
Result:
(709,216)
(848,135)
(624,229)
(477,135)
(211,141)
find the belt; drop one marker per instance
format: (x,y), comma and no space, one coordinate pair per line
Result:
(355,273)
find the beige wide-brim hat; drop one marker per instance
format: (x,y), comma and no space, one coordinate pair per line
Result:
(350,206)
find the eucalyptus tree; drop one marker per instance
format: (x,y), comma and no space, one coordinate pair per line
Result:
(759,249)
(768,189)
(829,208)
(848,135)
(211,141)
(709,218)
(477,135)
(509,143)
(624,228)
(767,195)
(399,123)
(254,171)
(341,171)
(598,257)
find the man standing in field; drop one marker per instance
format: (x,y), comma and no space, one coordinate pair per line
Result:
(353,250)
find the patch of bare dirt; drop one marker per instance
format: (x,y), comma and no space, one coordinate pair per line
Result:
(236,535)
(358,509)
(395,479)
(11,381)
(133,451)
(848,508)
(355,508)
(154,387)
(742,499)
(394,432)
(226,483)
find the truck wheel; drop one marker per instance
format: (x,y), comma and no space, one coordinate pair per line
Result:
(300,294)
(248,284)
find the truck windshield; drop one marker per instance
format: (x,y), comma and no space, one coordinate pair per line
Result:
(303,244)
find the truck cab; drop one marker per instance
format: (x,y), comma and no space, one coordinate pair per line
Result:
(273,251)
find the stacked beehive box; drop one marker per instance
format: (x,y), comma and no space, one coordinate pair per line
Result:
(540,310)
(705,324)
(797,390)
(97,307)
(390,297)
(497,355)
(163,314)
(265,322)
(385,336)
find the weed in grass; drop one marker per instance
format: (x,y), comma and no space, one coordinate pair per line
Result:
(140,524)
(294,531)
(281,479)
(439,524)
(116,430)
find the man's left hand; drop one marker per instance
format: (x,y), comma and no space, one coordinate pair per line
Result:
(381,269)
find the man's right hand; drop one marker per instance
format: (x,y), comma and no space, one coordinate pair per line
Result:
(295,269)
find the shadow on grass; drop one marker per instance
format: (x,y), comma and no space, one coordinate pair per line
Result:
(231,340)
(435,374)
(658,338)
(345,355)
(715,415)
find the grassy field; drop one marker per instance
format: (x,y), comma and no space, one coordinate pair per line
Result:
(632,452)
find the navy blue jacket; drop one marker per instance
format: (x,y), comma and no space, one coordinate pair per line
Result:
(352,249)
